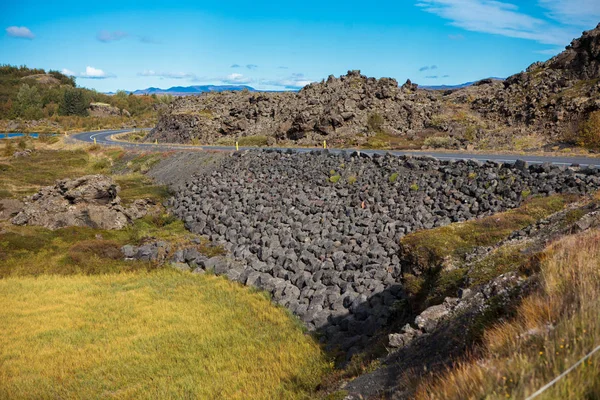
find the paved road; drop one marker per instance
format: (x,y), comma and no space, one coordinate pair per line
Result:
(104,138)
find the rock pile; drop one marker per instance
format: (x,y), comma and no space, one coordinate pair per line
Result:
(90,201)
(548,100)
(321,232)
(335,108)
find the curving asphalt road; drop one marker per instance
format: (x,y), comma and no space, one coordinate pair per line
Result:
(105,138)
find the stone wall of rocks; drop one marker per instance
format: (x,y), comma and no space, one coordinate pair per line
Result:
(320,232)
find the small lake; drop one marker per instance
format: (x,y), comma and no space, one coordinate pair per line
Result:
(16,135)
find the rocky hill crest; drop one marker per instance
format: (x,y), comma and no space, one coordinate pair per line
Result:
(548,100)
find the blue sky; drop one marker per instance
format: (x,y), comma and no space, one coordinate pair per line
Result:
(114,45)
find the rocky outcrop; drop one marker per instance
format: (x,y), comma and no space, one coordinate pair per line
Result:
(549,99)
(106,110)
(9,208)
(90,201)
(337,108)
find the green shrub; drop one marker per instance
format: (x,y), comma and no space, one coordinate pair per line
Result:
(102,165)
(375,123)
(414,187)
(394,177)
(438,142)
(589,132)
(335,178)
(257,140)
(352,180)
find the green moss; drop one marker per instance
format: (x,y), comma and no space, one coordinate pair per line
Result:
(502,260)
(573,216)
(138,186)
(257,141)
(335,178)
(472,175)
(352,180)
(414,187)
(394,177)
(427,249)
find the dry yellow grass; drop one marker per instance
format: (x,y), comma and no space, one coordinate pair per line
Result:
(164,334)
(554,328)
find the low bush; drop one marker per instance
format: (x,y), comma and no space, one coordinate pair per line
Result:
(375,123)
(589,132)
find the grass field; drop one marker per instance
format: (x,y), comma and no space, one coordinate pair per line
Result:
(162,334)
(78,322)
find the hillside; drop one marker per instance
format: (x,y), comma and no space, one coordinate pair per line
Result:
(36,100)
(547,104)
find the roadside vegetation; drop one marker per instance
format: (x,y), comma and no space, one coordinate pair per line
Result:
(80,322)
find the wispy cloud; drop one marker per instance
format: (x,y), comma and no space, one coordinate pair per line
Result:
(456,37)
(90,73)
(148,40)
(282,67)
(431,77)
(235,66)
(427,68)
(168,75)
(582,13)
(446,76)
(236,79)
(251,66)
(294,81)
(20,32)
(106,36)
(500,18)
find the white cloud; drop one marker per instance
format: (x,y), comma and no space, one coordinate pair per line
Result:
(168,75)
(106,36)
(20,32)
(295,81)
(581,13)
(499,18)
(90,73)
(236,79)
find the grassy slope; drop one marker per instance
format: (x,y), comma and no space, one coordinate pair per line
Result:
(439,253)
(91,325)
(149,335)
(554,328)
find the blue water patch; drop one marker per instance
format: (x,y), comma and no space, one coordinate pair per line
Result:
(16,135)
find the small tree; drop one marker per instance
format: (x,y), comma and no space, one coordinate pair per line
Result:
(589,132)
(74,102)
(28,101)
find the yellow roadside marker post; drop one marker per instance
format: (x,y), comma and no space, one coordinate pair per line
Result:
(237,147)
(94,140)
(324,144)
(155,141)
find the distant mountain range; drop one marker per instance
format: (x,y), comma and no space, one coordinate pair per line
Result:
(191,90)
(199,89)
(453,87)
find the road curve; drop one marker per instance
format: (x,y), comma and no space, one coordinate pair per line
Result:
(104,138)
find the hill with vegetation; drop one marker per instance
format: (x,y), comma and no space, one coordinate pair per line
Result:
(39,100)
